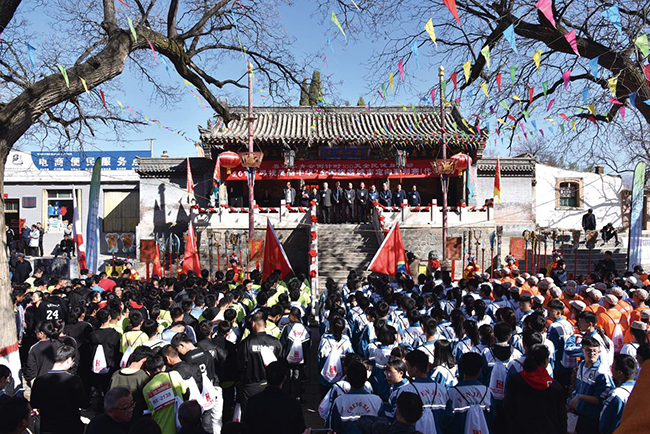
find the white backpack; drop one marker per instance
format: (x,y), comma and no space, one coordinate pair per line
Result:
(297,335)
(475,422)
(618,338)
(333,369)
(100,366)
(498,377)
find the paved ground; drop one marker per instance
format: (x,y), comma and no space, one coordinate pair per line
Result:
(311,388)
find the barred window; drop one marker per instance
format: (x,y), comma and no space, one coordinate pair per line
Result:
(569,194)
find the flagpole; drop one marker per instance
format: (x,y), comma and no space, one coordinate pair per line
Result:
(251,176)
(444,179)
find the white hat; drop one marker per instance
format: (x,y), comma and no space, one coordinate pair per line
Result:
(578,305)
(519,280)
(571,283)
(595,294)
(539,299)
(638,325)
(601,286)
(645,314)
(611,299)
(534,280)
(633,281)
(555,291)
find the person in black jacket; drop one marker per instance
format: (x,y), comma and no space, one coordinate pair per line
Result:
(399,196)
(59,396)
(55,307)
(349,196)
(227,371)
(534,402)
(362,203)
(41,355)
(22,270)
(273,411)
(385,196)
(256,352)
(109,339)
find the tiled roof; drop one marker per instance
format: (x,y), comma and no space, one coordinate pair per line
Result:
(521,165)
(150,167)
(383,126)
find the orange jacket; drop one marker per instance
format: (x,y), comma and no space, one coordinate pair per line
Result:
(611,318)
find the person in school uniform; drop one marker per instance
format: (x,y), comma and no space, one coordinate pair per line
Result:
(623,373)
(347,409)
(593,383)
(558,332)
(395,372)
(433,394)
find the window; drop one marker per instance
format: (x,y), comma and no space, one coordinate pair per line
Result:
(59,210)
(568,193)
(121,211)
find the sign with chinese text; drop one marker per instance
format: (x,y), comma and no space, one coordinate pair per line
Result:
(29,201)
(336,169)
(111,160)
(343,153)
(518,247)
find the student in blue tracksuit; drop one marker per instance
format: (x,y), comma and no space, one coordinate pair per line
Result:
(433,394)
(368,334)
(623,372)
(395,372)
(470,396)
(593,383)
(347,409)
(559,331)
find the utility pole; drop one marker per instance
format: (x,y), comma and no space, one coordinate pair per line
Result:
(151,145)
(251,174)
(444,178)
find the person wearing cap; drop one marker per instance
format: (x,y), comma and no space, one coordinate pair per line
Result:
(593,301)
(623,372)
(575,309)
(556,256)
(639,332)
(569,295)
(640,297)
(530,286)
(593,383)
(471,269)
(641,276)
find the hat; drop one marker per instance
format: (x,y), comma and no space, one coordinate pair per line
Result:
(525,275)
(570,290)
(514,289)
(533,280)
(496,282)
(555,291)
(595,294)
(618,292)
(601,286)
(543,284)
(642,293)
(519,281)
(506,285)
(578,305)
(638,325)
(611,298)
(539,276)
(571,283)
(538,298)
(645,314)
(633,281)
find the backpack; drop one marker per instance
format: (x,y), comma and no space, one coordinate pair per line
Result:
(618,338)
(497,383)
(333,369)
(124,361)
(475,422)
(99,366)
(297,337)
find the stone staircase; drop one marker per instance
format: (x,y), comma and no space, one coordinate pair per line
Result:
(344,247)
(582,262)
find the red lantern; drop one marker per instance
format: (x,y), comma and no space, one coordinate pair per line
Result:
(312,274)
(312,253)
(229,160)
(463,161)
(314,219)
(313,235)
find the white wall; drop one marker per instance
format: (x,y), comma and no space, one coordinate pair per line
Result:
(601,193)
(517,201)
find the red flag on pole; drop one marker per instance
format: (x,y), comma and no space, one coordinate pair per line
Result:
(191,257)
(390,259)
(275,257)
(157,268)
(191,199)
(497,181)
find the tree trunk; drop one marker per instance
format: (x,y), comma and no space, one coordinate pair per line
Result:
(8,335)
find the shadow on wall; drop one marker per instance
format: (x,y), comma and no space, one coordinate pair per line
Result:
(161,213)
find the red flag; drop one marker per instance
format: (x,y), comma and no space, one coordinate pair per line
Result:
(497,181)
(191,257)
(157,268)
(191,198)
(499,82)
(390,259)
(216,176)
(451,5)
(274,256)
(454,79)
(531,91)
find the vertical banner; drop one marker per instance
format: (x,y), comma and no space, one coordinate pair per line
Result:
(77,231)
(636,216)
(92,226)
(454,248)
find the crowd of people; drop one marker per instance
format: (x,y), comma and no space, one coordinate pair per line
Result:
(29,241)
(349,205)
(394,355)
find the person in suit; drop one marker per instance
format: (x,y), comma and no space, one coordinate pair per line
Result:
(290,194)
(399,196)
(349,196)
(337,202)
(362,203)
(385,196)
(325,203)
(373,197)
(414,197)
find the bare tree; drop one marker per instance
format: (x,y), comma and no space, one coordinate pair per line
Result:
(590,126)
(95,41)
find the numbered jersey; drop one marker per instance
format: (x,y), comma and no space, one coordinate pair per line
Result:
(53,309)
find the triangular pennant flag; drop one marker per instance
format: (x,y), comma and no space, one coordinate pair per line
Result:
(642,43)
(467,67)
(101,93)
(622,110)
(84,84)
(400,67)
(191,198)
(545,87)
(414,50)
(497,181)
(484,87)
(155,57)
(571,39)
(537,58)
(338,24)
(573,125)
(133,32)
(498,78)
(191,257)
(64,73)
(513,71)
(451,5)
(564,116)
(432,33)
(454,79)
(390,259)
(433,97)
(531,91)
(594,67)
(550,104)
(516,98)
(485,51)
(30,53)
(505,105)
(546,8)
(585,95)
(566,76)
(509,34)
(632,99)
(443,85)
(613,15)
(611,82)
(390,82)
(562,128)
(383,88)
(592,108)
